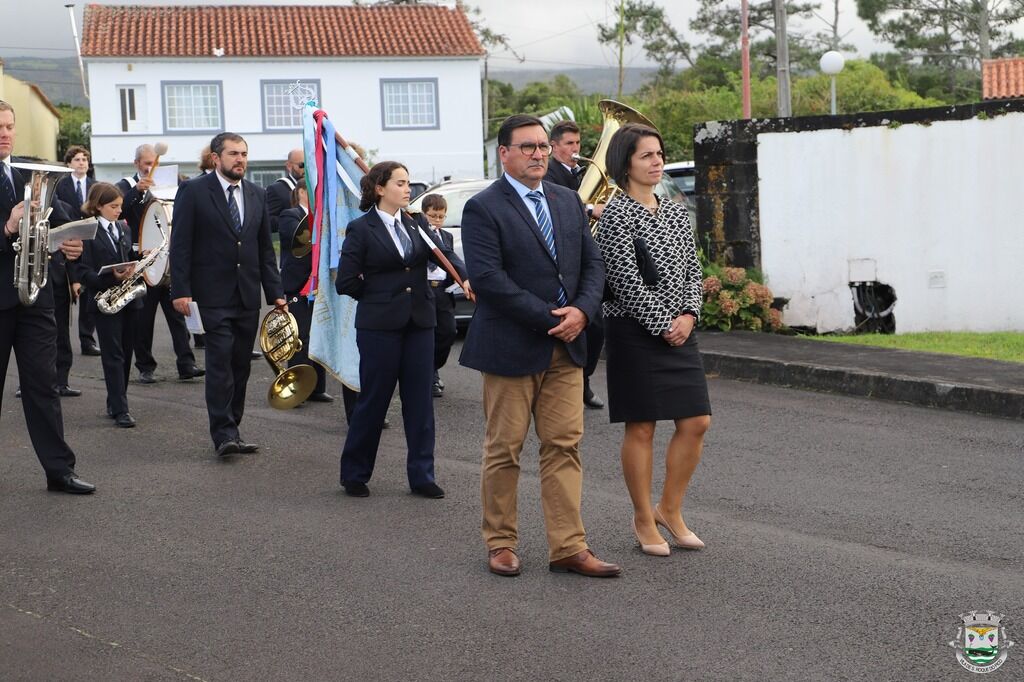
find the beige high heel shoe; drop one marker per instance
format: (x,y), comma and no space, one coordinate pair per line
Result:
(688,541)
(661,549)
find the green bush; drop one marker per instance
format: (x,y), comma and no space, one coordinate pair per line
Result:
(736,298)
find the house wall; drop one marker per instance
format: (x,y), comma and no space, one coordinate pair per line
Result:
(37,126)
(350,92)
(931,209)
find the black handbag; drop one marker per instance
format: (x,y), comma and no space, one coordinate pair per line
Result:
(644,264)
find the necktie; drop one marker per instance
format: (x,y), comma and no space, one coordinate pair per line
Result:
(81,191)
(115,237)
(430,264)
(236,217)
(6,186)
(403,238)
(548,232)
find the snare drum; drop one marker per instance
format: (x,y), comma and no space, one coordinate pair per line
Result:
(155,233)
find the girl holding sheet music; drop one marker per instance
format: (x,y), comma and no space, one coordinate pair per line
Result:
(111,246)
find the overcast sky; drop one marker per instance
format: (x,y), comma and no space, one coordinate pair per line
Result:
(550,34)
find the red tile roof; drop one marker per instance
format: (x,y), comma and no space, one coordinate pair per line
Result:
(277,31)
(1002,78)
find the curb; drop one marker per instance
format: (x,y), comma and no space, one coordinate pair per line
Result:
(928,393)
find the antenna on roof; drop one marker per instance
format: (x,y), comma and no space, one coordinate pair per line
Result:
(78,47)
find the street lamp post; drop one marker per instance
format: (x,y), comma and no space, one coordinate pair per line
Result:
(832,63)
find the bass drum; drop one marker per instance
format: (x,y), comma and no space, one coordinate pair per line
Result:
(155,233)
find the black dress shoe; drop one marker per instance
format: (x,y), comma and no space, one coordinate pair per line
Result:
(70,483)
(91,350)
(356,489)
(387,423)
(68,392)
(228,447)
(146,378)
(124,421)
(17,392)
(247,448)
(437,391)
(431,490)
(191,373)
(200,342)
(256,355)
(323,397)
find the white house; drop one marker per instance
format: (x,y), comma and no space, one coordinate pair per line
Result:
(402,81)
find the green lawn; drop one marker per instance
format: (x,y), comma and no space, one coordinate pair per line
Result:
(1008,346)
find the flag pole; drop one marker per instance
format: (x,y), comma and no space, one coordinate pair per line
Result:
(445,263)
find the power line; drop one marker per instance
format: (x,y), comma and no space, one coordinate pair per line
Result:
(546,61)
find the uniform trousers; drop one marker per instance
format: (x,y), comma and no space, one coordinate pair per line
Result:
(387,358)
(445,332)
(554,400)
(117,339)
(62,316)
(302,309)
(31,332)
(230,334)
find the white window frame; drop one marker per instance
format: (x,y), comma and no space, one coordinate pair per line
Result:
(287,100)
(132,108)
(396,114)
(218,99)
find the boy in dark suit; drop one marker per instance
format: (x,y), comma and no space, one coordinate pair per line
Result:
(72,190)
(435,210)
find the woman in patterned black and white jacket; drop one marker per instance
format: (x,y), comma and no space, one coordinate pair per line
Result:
(654,368)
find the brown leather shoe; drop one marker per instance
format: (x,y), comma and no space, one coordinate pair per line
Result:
(503,561)
(585,563)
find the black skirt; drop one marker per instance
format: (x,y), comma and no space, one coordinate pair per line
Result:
(649,380)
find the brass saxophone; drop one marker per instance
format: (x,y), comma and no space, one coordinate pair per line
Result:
(117,297)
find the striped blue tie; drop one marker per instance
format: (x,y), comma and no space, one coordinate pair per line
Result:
(236,216)
(546,229)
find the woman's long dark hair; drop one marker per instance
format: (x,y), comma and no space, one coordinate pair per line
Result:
(377,177)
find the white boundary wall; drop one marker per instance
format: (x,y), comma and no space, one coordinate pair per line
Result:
(934,211)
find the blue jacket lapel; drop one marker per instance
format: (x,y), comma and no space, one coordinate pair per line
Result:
(531,221)
(383,234)
(220,201)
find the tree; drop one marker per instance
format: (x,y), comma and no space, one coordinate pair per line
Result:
(74,128)
(953,35)
(644,21)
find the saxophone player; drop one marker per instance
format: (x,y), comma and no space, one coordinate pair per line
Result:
(112,245)
(31,332)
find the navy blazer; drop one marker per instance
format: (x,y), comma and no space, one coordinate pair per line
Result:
(516,280)
(294,271)
(96,253)
(279,199)
(392,291)
(558,174)
(65,191)
(210,262)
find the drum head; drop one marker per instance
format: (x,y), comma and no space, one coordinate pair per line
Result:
(153,229)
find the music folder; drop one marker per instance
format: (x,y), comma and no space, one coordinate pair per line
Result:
(193,320)
(117,266)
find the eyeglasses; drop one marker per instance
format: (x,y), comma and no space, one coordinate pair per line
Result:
(528,148)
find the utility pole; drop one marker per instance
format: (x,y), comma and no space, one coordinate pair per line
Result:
(785,101)
(622,44)
(745,55)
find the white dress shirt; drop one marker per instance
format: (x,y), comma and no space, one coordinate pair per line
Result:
(389,223)
(225,183)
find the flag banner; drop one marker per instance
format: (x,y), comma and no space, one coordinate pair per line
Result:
(333,204)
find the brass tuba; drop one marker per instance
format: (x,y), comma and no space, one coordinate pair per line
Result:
(31,251)
(596,187)
(279,341)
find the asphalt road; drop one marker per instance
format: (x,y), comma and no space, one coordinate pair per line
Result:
(844,536)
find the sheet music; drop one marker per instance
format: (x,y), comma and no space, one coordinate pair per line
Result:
(165,182)
(193,320)
(79,229)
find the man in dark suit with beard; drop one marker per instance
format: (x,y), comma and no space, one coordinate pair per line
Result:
(538,278)
(31,332)
(221,256)
(566,171)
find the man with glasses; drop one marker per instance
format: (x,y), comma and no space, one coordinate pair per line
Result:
(528,244)
(279,193)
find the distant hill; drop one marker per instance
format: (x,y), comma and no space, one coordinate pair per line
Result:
(57,78)
(602,81)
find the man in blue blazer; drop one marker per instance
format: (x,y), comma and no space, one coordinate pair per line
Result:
(538,277)
(221,256)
